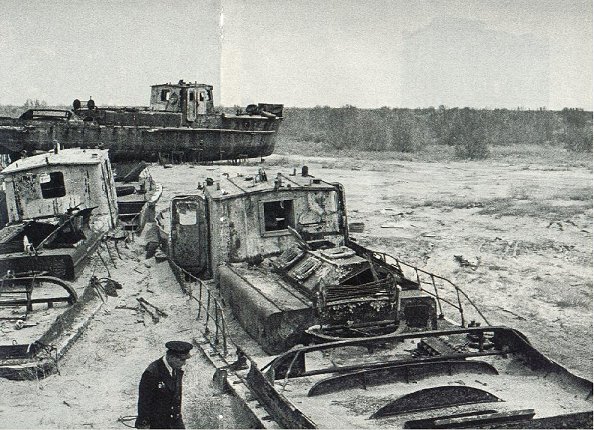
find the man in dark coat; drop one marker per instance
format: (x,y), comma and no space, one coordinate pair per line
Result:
(160,390)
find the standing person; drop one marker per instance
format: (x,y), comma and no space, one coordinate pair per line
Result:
(160,389)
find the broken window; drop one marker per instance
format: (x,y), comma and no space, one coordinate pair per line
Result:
(186,213)
(52,185)
(165,95)
(278,215)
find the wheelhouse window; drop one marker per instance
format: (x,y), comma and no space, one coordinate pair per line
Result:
(187,213)
(165,94)
(277,216)
(52,185)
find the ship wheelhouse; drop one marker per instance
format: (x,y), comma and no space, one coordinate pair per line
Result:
(190,99)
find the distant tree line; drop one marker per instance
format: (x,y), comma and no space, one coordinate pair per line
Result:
(470,131)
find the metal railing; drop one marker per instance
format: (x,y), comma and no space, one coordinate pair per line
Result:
(424,279)
(210,310)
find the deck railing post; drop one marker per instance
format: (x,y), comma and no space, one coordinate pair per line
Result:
(460,307)
(459,291)
(219,315)
(437,296)
(199,299)
(224,330)
(206,330)
(216,312)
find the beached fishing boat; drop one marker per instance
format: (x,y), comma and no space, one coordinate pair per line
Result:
(323,332)
(180,124)
(60,206)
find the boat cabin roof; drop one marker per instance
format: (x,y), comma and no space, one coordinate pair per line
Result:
(182,84)
(245,185)
(73,156)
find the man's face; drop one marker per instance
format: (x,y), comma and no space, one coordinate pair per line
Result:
(176,361)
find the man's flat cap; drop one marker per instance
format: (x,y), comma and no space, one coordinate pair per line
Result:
(179,347)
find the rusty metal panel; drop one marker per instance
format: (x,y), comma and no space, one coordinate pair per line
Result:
(398,373)
(435,398)
(189,241)
(579,420)
(238,219)
(277,405)
(52,184)
(27,192)
(207,140)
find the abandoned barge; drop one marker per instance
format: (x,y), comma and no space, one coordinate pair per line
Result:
(326,333)
(60,207)
(180,124)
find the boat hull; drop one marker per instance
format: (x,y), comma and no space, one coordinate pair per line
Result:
(63,263)
(276,325)
(437,391)
(141,143)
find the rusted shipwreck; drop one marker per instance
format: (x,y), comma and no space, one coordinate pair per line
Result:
(59,207)
(324,332)
(180,124)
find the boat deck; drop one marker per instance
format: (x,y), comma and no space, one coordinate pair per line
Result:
(408,383)
(354,407)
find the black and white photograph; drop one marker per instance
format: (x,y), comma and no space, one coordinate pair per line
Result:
(296,214)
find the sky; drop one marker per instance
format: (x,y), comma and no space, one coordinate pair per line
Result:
(366,53)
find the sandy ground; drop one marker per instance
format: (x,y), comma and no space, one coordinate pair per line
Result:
(98,378)
(526,231)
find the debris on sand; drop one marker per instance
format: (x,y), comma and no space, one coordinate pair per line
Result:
(356,227)
(520,317)
(153,311)
(428,234)
(463,262)
(391,224)
(160,256)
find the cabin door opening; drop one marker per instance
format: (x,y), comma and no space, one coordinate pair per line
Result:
(191,105)
(202,98)
(189,246)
